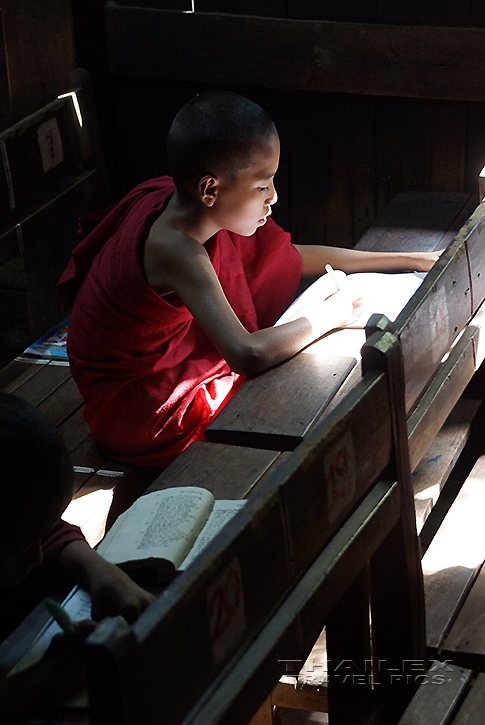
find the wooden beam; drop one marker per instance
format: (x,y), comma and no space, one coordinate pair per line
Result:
(309,55)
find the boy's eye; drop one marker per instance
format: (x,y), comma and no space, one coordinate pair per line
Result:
(263,188)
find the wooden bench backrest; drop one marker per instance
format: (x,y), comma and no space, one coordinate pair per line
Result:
(437,313)
(427,326)
(210,614)
(51,172)
(45,156)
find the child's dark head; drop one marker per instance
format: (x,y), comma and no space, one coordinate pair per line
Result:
(36,484)
(215,133)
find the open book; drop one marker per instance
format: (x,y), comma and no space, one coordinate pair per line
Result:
(382,292)
(165,530)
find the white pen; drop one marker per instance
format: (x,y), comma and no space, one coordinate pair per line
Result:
(330,271)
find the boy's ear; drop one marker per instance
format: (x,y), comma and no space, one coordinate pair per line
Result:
(208,190)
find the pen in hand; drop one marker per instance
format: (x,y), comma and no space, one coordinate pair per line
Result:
(330,271)
(60,615)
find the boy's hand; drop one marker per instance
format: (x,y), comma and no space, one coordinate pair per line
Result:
(111,589)
(58,675)
(113,592)
(423,261)
(63,661)
(338,310)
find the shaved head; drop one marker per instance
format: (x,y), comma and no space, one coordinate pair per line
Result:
(215,133)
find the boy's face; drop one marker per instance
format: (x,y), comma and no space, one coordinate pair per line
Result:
(243,204)
(21,547)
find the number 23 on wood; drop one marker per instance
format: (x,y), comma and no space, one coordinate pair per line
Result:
(225,608)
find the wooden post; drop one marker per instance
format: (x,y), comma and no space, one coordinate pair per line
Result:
(398,613)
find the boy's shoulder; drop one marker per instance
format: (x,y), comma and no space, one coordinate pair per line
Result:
(169,253)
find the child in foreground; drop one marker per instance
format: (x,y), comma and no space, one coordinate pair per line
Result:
(39,551)
(176,288)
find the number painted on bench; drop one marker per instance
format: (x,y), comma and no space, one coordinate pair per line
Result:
(225,608)
(340,475)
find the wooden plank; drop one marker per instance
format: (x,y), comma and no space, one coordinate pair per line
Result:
(473,233)
(62,403)
(432,471)
(471,711)
(74,429)
(356,11)
(40,75)
(348,458)
(42,385)
(276,409)
(385,60)
(452,560)
(438,698)
(13,375)
(417,221)
(5,110)
(42,149)
(433,318)
(238,469)
(74,196)
(259,668)
(330,174)
(398,607)
(425,12)
(9,245)
(270,522)
(260,526)
(264,714)
(441,395)
(349,647)
(415,150)
(465,642)
(265,8)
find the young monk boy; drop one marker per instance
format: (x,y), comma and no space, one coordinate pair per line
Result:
(177,287)
(38,551)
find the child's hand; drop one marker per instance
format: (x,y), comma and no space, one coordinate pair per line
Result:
(338,310)
(423,261)
(58,675)
(64,660)
(113,592)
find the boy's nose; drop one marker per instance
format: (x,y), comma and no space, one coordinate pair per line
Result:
(273,198)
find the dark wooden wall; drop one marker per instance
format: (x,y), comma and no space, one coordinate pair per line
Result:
(371,97)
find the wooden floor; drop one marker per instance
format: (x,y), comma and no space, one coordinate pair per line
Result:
(285,716)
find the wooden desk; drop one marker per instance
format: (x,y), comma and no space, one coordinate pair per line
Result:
(291,518)
(265,412)
(294,508)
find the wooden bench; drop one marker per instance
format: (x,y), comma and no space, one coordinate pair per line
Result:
(52,172)
(447,694)
(455,286)
(280,566)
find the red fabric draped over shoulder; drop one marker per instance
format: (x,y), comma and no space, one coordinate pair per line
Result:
(152,380)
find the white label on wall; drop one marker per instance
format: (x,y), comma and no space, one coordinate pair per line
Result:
(339,469)
(50,144)
(225,608)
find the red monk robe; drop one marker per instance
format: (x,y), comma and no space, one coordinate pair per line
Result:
(152,380)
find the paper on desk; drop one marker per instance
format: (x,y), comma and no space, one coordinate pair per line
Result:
(78,606)
(382,292)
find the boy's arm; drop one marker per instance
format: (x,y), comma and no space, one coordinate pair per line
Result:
(315,257)
(112,591)
(186,269)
